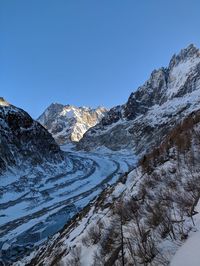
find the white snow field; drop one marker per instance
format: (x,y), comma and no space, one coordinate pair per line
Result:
(189,253)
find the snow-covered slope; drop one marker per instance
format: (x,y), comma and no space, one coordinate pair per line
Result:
(69,123)
(168,96)
(150,212)
(188,254)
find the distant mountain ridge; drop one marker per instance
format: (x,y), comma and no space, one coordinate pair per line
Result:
(68,123)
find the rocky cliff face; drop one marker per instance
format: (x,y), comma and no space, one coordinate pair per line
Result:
(69,123)
(168,96)
(23,141)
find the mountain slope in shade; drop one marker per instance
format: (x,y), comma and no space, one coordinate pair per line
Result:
(24,142)
(167,97)
(68,123)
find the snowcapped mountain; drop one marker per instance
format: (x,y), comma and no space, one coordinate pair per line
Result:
(169,95)
(151,210)
(68,123)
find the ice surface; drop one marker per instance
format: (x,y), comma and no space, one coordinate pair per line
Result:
(45,204)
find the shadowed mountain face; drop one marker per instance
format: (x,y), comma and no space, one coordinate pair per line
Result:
(24,142)
(167,97)
(68,123)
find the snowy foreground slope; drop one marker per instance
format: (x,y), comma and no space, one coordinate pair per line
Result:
(68,123)
(150,213)
(188,254)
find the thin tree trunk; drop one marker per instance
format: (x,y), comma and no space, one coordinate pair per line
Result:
(122,241)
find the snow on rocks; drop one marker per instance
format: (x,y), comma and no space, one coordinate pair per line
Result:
(68,123)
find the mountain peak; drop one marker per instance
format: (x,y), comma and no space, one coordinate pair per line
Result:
(69,123)
(3,102)
(191,51)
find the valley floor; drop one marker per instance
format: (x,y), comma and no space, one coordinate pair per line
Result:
(36,206)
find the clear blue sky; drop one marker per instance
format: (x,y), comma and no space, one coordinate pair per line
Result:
(88,52)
